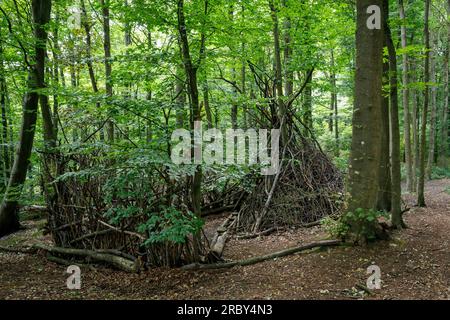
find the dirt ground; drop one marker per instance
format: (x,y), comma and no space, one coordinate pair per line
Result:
(415,264)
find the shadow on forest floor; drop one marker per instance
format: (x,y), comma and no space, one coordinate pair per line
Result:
(415,264)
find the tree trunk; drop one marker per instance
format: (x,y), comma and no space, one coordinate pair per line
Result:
(47,121)
(396,189)
(9,221)
(307,107)
(432,141)
(406,113)
(423,137)
(191,75)
(443,151)
(384,178)
(289,74)
(334,107)
(333,92)
(87,29)
(206,104)
(415,134)
(108,68)
(55,74)
(3,101)
(282,112)
(365,149)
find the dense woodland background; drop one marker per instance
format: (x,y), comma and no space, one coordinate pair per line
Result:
(91,91)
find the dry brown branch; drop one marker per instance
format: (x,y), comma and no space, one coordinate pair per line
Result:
(247,262)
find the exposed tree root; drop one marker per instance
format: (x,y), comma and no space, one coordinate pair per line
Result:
(247,262)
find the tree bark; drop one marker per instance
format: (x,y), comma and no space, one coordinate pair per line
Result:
(3,101)
(415,134)
(406,113)
(191,75)
(334,107)
(384,178)
(366,137)
(396,189)
(9,221)
(207,105)
(282,111)
(108,67)
(289,74)
(423,137)
(432,139)
(443,151)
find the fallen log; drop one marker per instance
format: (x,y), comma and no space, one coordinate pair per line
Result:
(113,260)
(247,262)
(25,250)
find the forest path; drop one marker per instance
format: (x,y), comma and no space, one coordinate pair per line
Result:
(415,264)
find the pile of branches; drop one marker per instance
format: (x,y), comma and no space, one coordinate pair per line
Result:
(307,186)
(82,210)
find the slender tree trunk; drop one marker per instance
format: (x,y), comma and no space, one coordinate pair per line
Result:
(127,28)
(415,134)
(148,126)
(87,29)
(243,87)
(443,151)
(282,112)
(307,108)
(73,80)
(406,113)
(334,107)
(207,105)
(423,137)
(396,189)
(191,75)
(108,67)
(47,118)
(234,105)
(333,92)
(55,75)
(444,137)
(3,101)
(366,136)
(336,127)
(289,74)
(9,220)
(432,141)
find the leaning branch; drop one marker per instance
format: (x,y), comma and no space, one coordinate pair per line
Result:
(247,262)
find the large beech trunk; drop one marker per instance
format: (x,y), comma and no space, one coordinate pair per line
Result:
(365,149)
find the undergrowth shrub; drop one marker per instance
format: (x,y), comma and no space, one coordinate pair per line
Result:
(359,226)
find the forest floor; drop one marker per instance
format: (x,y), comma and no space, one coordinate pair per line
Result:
(415,264)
